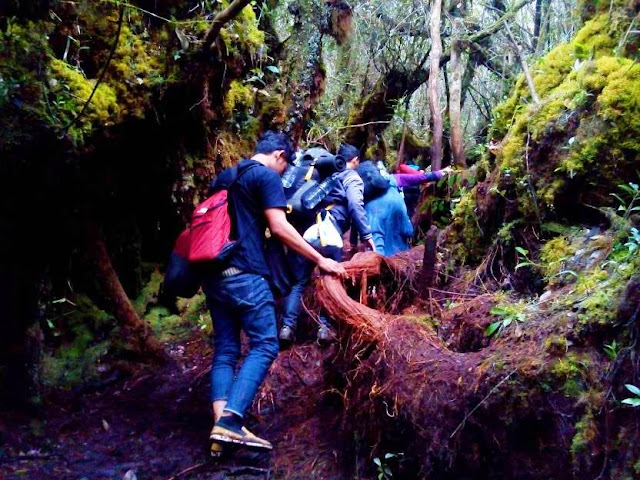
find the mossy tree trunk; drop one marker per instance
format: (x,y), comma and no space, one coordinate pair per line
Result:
(133,327)
(371,117)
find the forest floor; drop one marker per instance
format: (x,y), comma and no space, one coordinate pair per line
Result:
(156,423)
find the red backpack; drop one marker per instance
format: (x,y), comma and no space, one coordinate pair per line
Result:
(207,239)
(210,229)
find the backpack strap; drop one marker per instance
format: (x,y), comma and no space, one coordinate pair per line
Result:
(312,166)
(240,170)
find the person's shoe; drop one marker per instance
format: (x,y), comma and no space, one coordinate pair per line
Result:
(286,334)
(244,437)
(325,335)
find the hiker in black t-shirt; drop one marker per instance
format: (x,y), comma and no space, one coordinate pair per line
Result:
(239,297)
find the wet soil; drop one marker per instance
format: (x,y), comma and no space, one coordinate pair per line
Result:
(156,424)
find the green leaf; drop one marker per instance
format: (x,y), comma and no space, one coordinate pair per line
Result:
(491,329)
(389,455)
(633,389)
(523,264)
(634,402)
(617,197)
(273,69)
(377,461)
(498,311)
(522,251)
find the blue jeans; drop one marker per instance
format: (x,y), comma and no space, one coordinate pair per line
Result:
(240,302)
(302,269)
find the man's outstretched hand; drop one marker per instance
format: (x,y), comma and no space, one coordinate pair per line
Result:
(332,267)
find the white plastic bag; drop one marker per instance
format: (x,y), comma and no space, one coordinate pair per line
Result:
(323,233)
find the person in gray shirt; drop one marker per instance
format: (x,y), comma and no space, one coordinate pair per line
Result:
(346,204)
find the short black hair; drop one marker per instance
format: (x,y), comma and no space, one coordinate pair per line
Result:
(348,152)
(270,141)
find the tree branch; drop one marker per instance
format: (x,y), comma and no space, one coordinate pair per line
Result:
(221,19)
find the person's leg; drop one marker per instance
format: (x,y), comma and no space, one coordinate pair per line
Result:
(226,352)
(250,298)
(257,314)
(226,340)
(292,306)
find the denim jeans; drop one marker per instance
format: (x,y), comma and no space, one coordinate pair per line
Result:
(240,302)
(303,269)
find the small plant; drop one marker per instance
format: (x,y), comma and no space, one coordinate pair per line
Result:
(631,192)
(611,350)
(384,469)
(634,240)
(633,401)
(523,259)
(508,314)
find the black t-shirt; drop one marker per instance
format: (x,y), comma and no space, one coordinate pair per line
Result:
(256,190)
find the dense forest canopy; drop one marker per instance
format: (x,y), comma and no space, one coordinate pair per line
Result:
(520,298)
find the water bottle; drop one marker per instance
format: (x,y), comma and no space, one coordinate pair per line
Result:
(312,198)
(290,173)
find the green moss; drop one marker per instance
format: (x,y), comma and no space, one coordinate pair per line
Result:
(135,67)
(556,345)
(572,370)
(242,34)
(554,254)
(505,113)
(55,91)
(149,292)
(168,327)
(586,431)
(238,97)
(581,80)
(77,360)
(465,235)
(272,111)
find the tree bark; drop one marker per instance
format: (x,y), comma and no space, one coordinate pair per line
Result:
(220,20)
(429,260)
(455,95)
(434,73)
(400,159)
(541,31)
(134,328)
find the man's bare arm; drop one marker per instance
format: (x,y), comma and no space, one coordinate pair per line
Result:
(281,228)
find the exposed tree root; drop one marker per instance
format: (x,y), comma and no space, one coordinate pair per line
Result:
(406,390)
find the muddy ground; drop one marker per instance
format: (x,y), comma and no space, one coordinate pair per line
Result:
(156,423)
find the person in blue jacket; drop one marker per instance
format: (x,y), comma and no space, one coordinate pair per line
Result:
(390,223)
